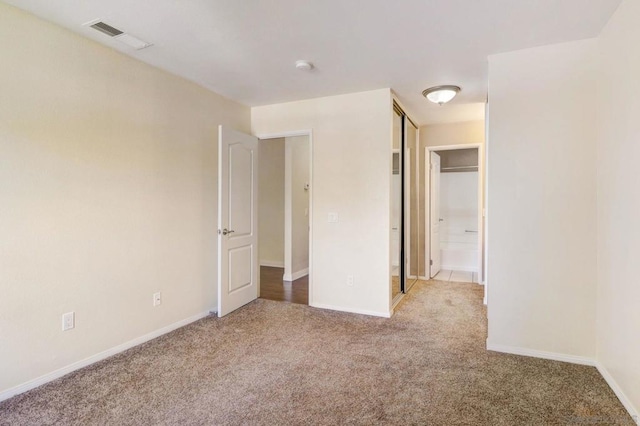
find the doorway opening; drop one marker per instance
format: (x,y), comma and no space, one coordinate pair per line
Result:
(284,217)
(455,220)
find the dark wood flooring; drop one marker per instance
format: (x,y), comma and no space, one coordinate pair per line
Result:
(273,288)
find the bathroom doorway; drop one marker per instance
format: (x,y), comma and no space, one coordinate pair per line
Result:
(455,220)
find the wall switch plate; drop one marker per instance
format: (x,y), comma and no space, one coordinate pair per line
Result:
(332,217)
(157,299)
(68,321)
(350,280)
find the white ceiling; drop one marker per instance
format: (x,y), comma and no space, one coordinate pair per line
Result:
(246,49)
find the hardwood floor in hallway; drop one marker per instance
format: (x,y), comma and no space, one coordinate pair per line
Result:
(272,286)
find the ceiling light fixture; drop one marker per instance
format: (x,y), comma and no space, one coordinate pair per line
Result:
(304,65)
(441,94)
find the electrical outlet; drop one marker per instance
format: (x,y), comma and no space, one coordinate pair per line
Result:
(350,280)
(68,321)
(157,299)
(332,217)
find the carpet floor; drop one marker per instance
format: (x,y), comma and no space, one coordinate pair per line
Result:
(274,363)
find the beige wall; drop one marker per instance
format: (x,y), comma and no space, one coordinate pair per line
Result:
(465,132)
(618,345)
(562,176)
(542,200)
(271,202)
(108,188)
(351,176)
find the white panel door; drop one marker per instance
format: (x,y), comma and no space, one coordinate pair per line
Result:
(434,201)
(238,277)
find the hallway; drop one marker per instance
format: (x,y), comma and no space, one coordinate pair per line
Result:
(273,288)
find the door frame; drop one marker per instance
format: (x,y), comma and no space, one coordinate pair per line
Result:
(309,133)
(481,196)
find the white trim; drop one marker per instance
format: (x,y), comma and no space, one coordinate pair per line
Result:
(272,263)
(32,384)
(453,147)
(288,211)
(485,210)
(296,275)
(427,212)
(353,311)
(305,132)
(573,359)
(626,402)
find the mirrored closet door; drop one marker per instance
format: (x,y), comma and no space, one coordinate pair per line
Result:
(407,216)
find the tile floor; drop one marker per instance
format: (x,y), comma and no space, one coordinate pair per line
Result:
(457,276)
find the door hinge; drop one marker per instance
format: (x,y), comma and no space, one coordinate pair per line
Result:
(430,262)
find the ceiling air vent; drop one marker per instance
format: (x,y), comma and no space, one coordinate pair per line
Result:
(121,36)
(107,29)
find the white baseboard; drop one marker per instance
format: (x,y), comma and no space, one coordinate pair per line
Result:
(296,275)
(272,263)
(352,311)
(626,402)
(634,412)
(573,359)
(31,384)
(458,268)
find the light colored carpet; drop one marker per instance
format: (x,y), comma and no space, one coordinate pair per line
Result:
(274,363)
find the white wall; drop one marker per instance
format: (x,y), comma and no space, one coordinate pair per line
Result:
(298,155)
(108,188)
(271,202)
(351,177)
(618,344)
(542,198)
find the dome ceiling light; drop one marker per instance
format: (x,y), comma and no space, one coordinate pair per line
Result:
(304,65)
(441,94)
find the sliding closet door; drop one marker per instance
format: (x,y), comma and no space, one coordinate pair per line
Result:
(412,191)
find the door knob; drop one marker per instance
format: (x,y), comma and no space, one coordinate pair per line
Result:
(225,231)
